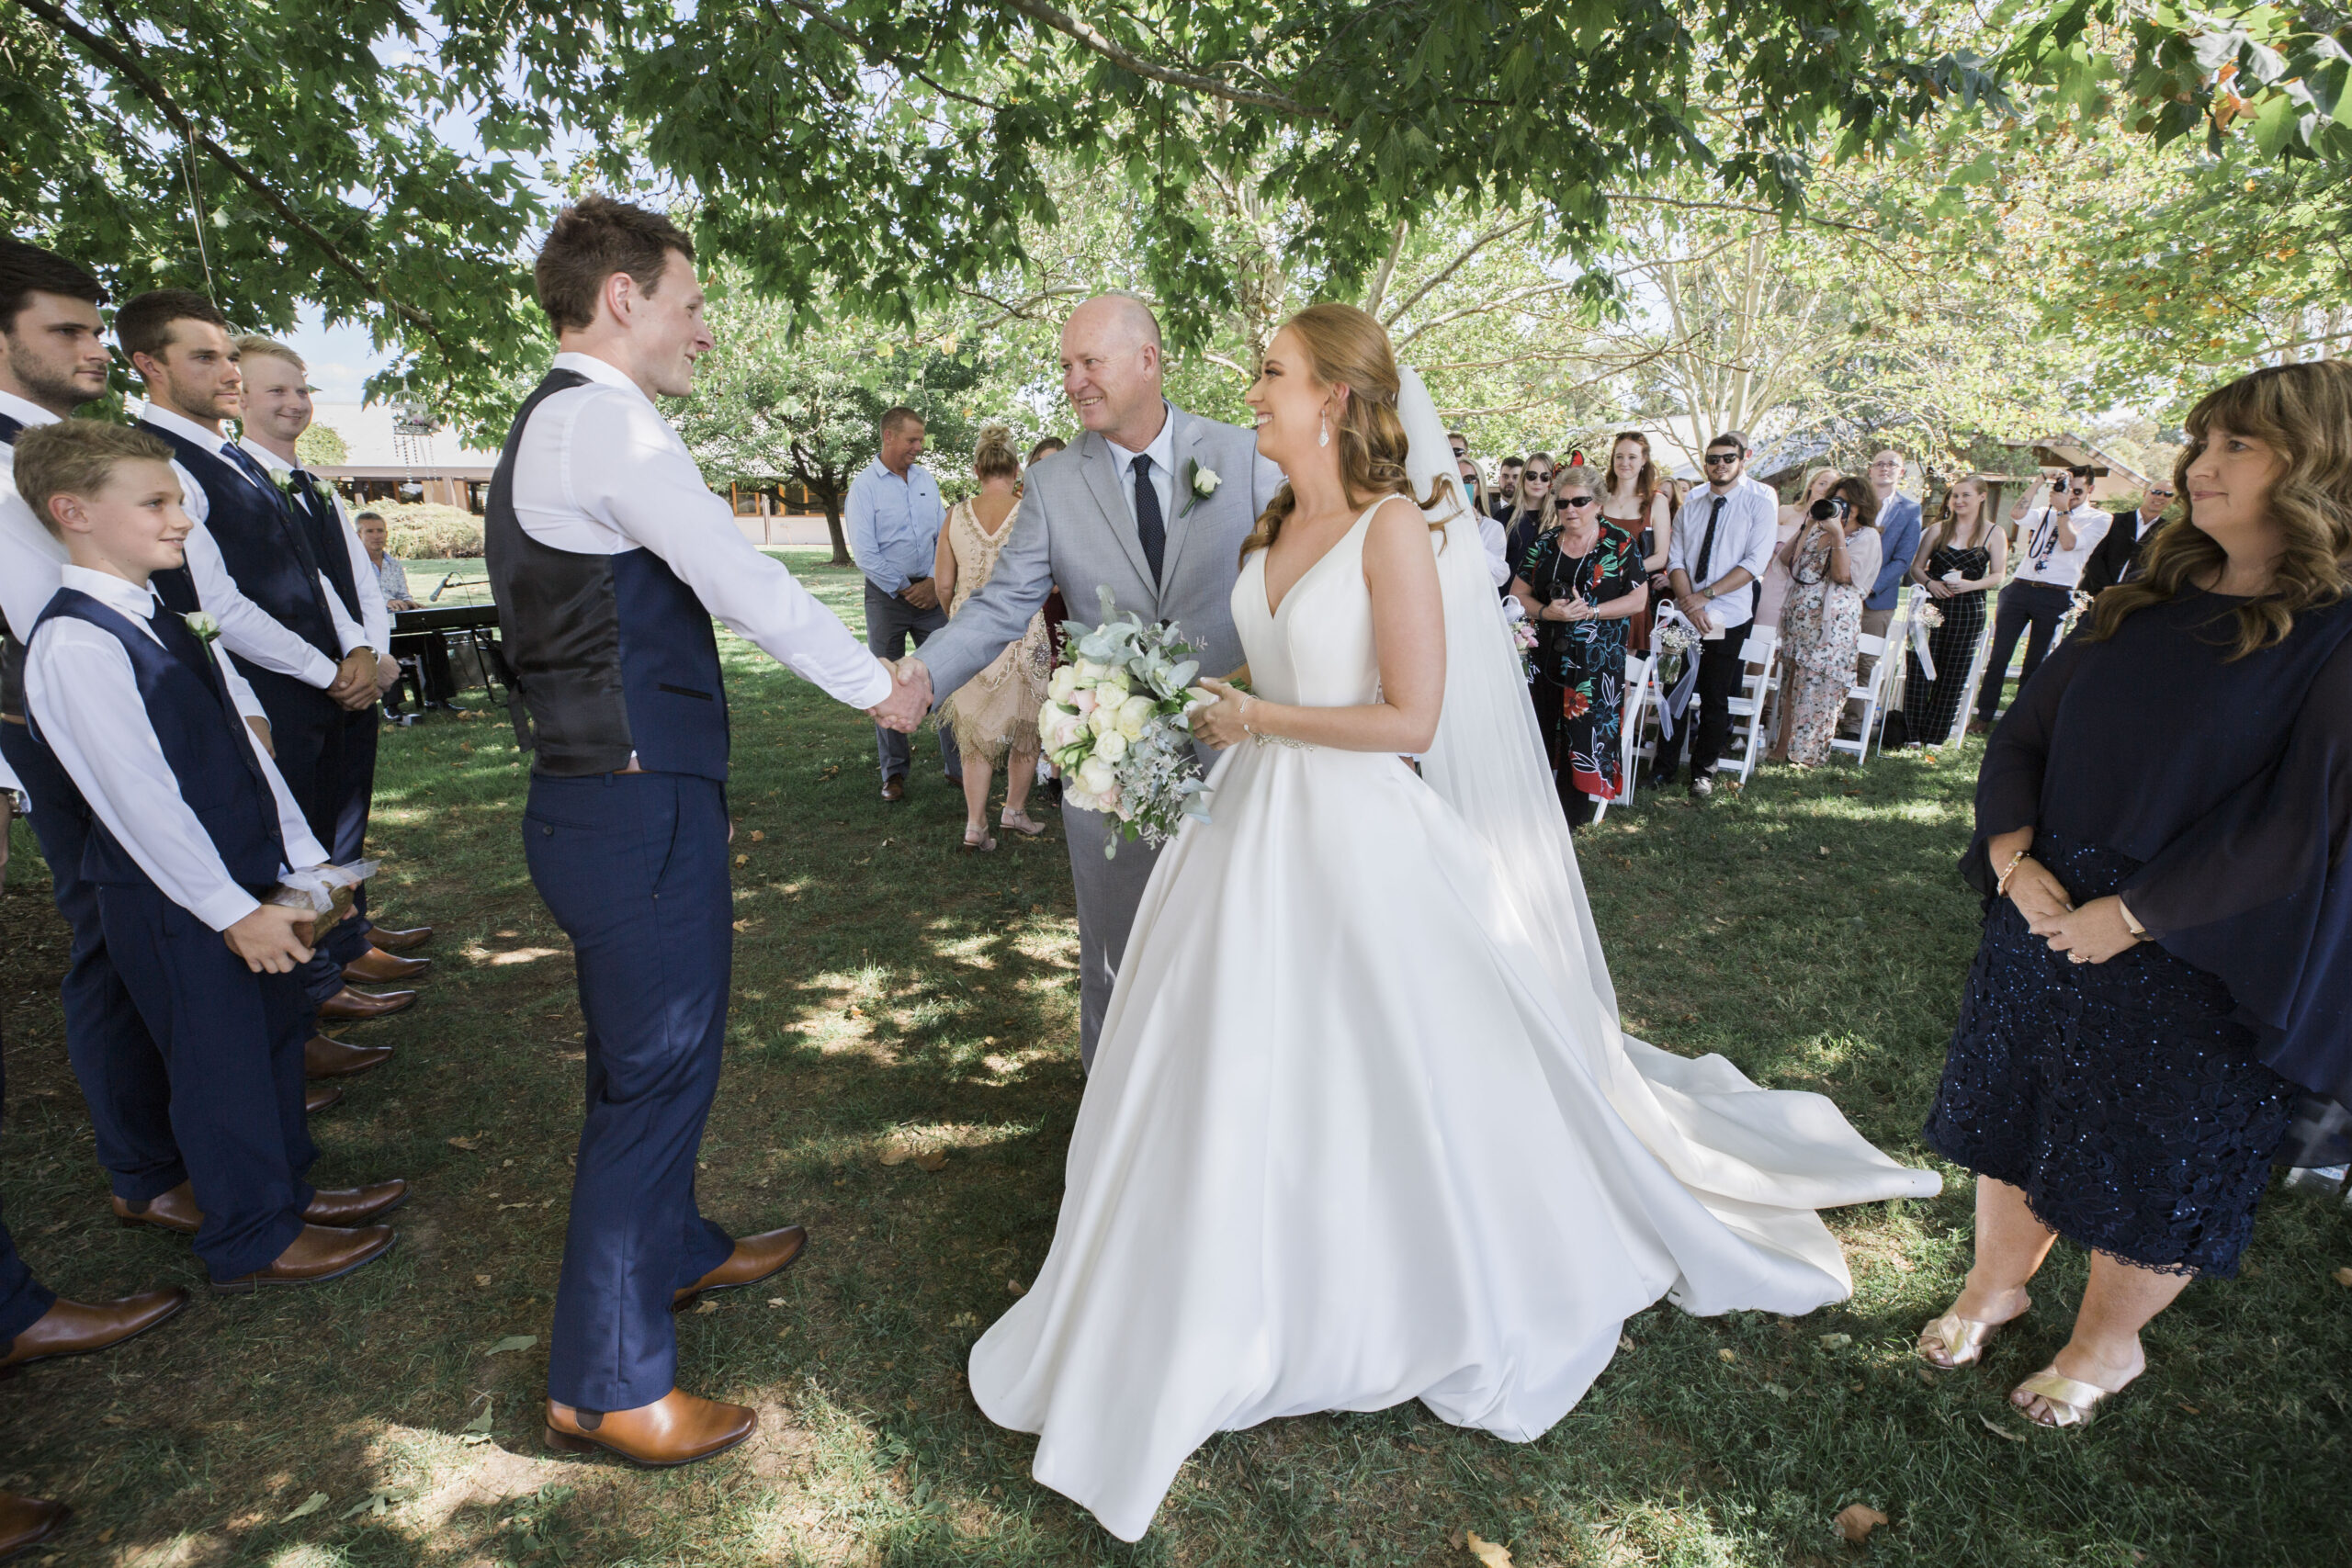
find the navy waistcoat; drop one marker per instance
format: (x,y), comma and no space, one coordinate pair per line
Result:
(611,655)
(264,545)
(204,742)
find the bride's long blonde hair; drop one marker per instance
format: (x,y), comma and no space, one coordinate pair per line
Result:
(1348,347)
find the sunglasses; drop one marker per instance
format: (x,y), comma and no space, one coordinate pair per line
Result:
(2161,495)
(1536,476)
(1716,459)
(1578,502)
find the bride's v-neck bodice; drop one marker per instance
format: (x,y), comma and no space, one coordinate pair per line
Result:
(1315,648)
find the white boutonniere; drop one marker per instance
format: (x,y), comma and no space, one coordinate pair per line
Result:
(201,625)
(326,490)
(1201,481)
(285,478)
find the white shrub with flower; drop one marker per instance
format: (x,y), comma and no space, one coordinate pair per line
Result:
(1114,722)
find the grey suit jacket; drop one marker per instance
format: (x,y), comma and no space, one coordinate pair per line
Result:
(1074,532)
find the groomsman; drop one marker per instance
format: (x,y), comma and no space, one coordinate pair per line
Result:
(320,665)
(277,409)
(608,557)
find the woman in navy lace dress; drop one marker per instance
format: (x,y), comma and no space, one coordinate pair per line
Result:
(2167,952)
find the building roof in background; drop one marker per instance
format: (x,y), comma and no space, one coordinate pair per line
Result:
(2065,450)
(379,441)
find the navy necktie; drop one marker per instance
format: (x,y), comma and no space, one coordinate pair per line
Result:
(1150,527)
(243,461)
(10,428)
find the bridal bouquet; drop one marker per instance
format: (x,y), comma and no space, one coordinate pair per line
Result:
(1114,723)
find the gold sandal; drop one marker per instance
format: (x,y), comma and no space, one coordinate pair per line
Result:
(1964,1338)
(2071,1400)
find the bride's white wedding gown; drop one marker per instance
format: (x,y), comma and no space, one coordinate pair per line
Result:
(1355,1135)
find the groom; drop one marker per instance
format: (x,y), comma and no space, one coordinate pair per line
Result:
(1152,504)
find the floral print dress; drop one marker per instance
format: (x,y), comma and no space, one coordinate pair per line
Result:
(1579,687)
(1821,628)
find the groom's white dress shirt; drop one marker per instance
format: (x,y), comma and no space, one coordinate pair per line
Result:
(80,689)
(1162,452)
(601,472)
(246,629)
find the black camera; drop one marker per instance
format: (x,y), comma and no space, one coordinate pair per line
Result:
(1830,509)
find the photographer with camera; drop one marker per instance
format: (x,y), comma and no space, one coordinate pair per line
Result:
(2054,545)
(1832,563)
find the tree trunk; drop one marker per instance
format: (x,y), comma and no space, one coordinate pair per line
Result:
(833,524)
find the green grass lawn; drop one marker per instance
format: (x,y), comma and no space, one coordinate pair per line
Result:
(893,994)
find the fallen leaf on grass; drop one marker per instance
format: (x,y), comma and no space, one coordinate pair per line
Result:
(742,859)
(1824,852)
(306,1507)
(376,1504)
(775,1301)
(1728,1355)
(483,1279)
(2343,1277)
(1856,1522)
(513,1342)
(468,1145)
(1016,1287)
(478,1430)
(1836,1341)
(895,1154)
(758,837)
(2000,1431)
(1487,1552)
(933,1160)
(706,1308)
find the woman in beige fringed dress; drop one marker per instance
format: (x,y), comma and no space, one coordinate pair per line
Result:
(995,713)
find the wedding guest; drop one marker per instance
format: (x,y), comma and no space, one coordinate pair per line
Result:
(1047,448)
(1772,594)
(1533,512)
(994,714)
(392,572)
(1722,542)
(1460,443)
(2127,538)
(1831,564)
(1506,495)
(1632,499)
(1490,533)
(1962,556)
(2166,961)
(1898,531)
(2056,543)
(277,409)
(609,558)
(312,663)
(436,682)
(190,820)
(1580,584)
(894,514)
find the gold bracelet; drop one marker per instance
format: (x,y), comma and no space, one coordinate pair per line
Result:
(2001,882)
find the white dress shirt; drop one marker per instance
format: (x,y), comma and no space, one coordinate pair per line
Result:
(1162,452)
(246,629)
(601,472)
(374,630)
(1744,537)
(2042,561)
(80,689)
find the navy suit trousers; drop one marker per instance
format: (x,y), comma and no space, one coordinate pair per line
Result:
(23,1299)
(634,868)
(306,730)
(355,793)
(114,1057)
(232,1042)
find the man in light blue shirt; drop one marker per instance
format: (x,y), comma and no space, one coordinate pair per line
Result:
(894,516)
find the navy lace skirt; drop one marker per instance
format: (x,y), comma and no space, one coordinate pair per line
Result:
(2119,1096)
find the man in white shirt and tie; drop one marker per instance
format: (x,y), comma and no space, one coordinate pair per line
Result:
(1722,541)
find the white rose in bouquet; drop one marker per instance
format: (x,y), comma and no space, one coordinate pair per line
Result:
(1095,777)
(1115,680)
(1064,684)
(1104,717)
(1110,746)
(1135,714)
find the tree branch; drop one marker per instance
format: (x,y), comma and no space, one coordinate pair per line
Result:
(1387,270)
(1125,59)
(1456,265)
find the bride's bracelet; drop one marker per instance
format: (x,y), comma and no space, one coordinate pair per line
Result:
(1246,700)
(2001,882)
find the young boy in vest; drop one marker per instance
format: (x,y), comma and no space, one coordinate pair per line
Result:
(193,828)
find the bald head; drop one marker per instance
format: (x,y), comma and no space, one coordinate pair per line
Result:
(1110,368)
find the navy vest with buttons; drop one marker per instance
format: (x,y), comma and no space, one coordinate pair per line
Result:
(325,526)
(611,655)
(204,742)
(264,545)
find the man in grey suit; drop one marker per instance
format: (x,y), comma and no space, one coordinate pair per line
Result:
(1152,504)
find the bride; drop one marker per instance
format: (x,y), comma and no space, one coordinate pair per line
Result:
(1362,1126)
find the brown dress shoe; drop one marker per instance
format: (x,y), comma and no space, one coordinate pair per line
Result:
(677,1428)
(374,967)
(28,1521)
(176,1210)
(348,1004)
(346,1206)
(894,790)
(325,1056)
(755,1258)
(321,1097)
(398,941)
(319,1254)
(72,1328)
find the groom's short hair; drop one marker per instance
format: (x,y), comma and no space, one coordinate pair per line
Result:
(594,239)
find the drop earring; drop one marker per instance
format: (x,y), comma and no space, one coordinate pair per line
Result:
(1325,439)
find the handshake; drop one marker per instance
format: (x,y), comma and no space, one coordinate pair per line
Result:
(909,697)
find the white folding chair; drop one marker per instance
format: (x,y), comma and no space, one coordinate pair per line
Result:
(1759,677)
(1975,681)
(1868,694)
(1895,681)
(1628,740)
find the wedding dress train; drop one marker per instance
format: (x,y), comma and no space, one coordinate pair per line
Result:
(1361,1127)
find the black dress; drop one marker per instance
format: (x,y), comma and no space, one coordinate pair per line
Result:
(2138,1102)
(1930,708)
